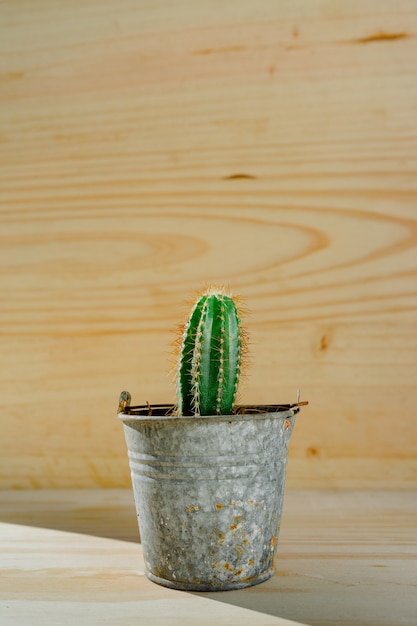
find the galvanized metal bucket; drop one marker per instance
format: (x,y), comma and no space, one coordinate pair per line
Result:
(208,494)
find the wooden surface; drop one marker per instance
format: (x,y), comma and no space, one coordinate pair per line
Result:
(344,558)
(149,148)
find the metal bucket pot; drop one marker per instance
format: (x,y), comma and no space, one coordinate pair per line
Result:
(208,494)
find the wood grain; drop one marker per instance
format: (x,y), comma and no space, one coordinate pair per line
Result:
(344,558)
(149,149)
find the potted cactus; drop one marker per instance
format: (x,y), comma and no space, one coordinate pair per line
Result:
(208,475)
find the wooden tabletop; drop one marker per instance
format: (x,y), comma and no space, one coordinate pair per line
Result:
(73,557)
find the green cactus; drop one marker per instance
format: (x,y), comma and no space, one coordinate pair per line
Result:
(210,357)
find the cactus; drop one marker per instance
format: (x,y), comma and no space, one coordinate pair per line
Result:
(212,347)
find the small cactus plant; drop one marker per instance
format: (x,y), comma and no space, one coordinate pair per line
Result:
(212,349)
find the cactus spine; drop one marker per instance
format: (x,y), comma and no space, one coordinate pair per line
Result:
(210,358)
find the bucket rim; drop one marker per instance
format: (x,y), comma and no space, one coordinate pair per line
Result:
(183,419)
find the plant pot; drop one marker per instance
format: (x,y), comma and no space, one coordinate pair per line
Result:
(208,494)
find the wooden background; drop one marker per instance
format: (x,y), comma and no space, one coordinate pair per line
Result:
(148,148)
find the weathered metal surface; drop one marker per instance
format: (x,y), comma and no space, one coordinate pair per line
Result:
(208,493)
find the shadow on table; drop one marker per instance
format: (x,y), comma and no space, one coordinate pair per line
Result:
(102,513)
(285,600)
(278,597)
(332,595)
